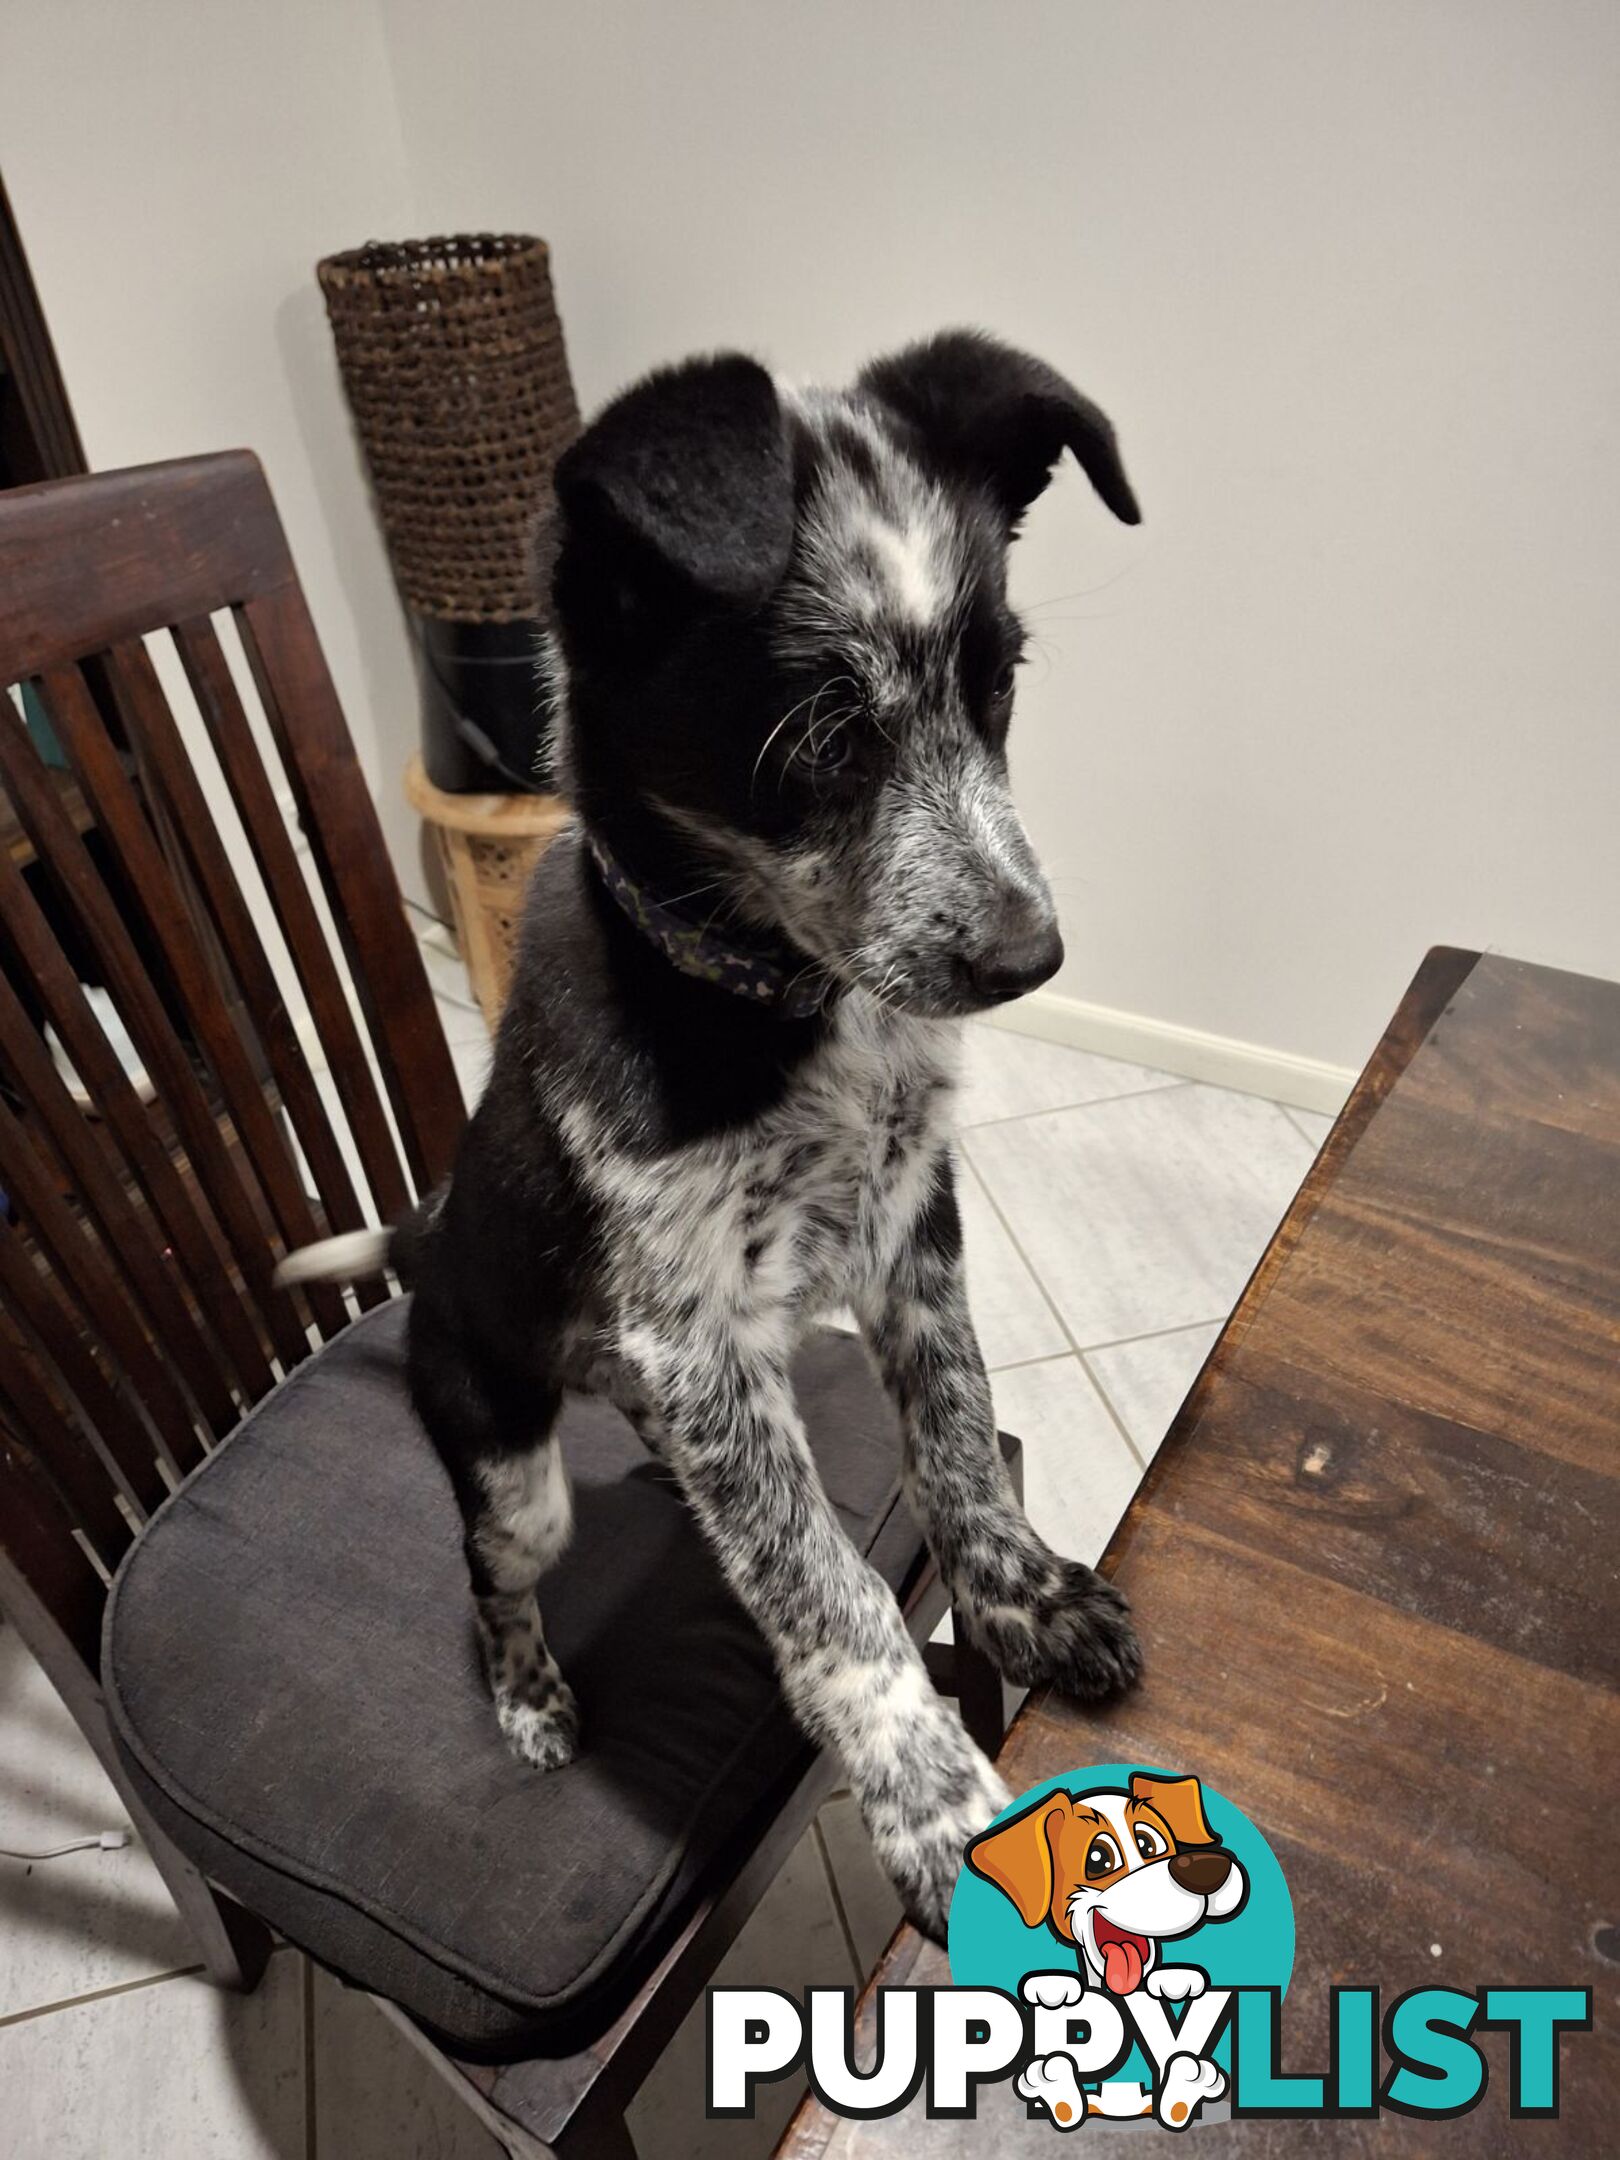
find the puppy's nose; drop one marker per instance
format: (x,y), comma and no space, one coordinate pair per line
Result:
(1200,1872)
(1023,951)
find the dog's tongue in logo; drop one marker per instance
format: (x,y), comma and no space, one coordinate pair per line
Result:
(1123,1955)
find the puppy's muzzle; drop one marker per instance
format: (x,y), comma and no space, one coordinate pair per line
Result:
(1023,950)
(1200,1872)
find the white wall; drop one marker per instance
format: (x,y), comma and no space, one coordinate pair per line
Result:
(1345,276)
(177,168)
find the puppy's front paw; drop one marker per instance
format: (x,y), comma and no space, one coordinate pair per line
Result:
(1049,2082)
(1176,1983)
(922,1854)
(1053,1990)
(1073,1630)
(1188,2082)
(543,1730)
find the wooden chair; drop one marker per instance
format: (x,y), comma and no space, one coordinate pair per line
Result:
(302,1085)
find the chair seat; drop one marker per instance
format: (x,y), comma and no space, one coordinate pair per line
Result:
(294,1687)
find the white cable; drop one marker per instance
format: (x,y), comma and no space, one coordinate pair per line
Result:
(108,1841)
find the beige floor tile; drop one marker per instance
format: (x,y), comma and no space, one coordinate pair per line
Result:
(1079,1474)
(375,2096)
(1006,1075)
(89,1920)
(1012,1319)
(1145,1213)
(178,2070)
(1311,1123)
(1147,1381)
(792,1941)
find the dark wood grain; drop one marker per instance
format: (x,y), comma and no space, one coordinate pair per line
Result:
(1375,1558)
(340,823)
(53,981)
(122,1225)
(220,705)
(123,820)
(138,1316)
(39,439)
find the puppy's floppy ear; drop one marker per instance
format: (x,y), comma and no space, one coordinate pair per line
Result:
(1017,1857)
(1001,418)
(681,491)
(1180,1800)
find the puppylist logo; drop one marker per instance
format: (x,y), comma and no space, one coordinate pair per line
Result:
(1121,1940)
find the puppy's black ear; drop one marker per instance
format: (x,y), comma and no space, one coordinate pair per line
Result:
(679,494)
(1001,418)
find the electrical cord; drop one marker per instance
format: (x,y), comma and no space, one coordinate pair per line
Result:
(108,1841)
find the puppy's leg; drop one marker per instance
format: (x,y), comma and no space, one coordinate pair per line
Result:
(616,1381)
(497,1437)
(1038,1616)
(854,1677)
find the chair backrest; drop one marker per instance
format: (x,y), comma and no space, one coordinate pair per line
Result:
(164,710)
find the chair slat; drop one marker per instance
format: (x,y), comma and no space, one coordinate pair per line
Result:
(125,827)
(36,1539)
(137,1310)
(149,1025)
(159,542)
(220,705)
(146,710)
(57,986)
(62,1454)
(340,822)
(83,1267)
(35,1304)
(124,1230)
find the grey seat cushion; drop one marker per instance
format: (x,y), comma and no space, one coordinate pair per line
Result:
(294,1686)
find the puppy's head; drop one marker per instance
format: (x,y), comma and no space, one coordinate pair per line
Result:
(788,657)
(1114,1873)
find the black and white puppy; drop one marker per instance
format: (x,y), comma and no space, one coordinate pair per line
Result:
(721,1095)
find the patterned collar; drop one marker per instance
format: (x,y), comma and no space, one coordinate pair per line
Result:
(697,950)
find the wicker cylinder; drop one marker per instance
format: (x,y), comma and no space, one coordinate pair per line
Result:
(452,356)
(488,846)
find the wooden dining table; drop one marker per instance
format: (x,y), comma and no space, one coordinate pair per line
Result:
(1375,1567)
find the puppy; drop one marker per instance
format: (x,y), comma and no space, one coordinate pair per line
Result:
(1114,1875)
(720,1105)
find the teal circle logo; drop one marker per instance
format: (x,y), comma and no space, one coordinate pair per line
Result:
(1133,1893)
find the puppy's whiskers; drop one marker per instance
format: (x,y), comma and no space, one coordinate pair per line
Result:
(811,700)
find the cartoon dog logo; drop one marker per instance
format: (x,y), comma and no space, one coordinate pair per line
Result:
(1113,1875)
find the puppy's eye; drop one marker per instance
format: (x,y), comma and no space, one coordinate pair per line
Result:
(834,753)
(1002,688)
(1148,1842)
(1102,1857)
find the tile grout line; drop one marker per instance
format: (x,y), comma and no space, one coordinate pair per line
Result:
(837,1897)
(1093,1102)
(1113,1342)
(983,1183)
(1310,1138)
(1161,1334)
(1108,1404)
(1023,1364)
(121,1987)
(966,1163)
(309,2060)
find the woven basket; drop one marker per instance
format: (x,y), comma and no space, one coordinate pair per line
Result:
(452,356)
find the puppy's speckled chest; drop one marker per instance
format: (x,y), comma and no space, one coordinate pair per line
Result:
(798,1209)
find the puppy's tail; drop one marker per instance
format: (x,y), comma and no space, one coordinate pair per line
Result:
(356,1254)
(349,1258)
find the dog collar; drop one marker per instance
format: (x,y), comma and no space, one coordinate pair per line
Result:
(696,950)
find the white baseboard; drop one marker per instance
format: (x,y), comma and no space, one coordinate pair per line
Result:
(1306,1083)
